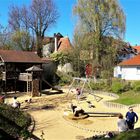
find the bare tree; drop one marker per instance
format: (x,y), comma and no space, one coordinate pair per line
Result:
(14,18)
(38,17)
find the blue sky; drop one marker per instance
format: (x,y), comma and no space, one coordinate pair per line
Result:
(65,24)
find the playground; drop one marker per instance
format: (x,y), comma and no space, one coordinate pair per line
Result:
(51,121)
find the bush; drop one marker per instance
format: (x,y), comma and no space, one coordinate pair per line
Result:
(21,119)
(13,121)
(117,87)
(127,86)
(99,86)
(25,134)
(136,86)
(106,74)
(64,79)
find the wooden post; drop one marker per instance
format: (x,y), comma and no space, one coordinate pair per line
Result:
(5,80)
(35,87)
(15,85)
(15,79)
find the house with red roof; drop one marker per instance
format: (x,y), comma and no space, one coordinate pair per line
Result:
(61,44)
(137,48)
(128,69)
(64,45)
(58,43)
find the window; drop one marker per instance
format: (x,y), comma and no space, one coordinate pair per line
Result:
(138,70)
(120,68)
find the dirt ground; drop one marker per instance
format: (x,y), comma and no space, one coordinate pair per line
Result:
(51,122)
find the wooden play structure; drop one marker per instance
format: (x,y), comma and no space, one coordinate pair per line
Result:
(33,80)
(82,83)
(13,74)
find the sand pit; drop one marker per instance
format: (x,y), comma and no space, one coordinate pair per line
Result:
(48,113)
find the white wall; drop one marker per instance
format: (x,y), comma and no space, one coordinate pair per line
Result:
(47,49)
(117,71)
(127,72)
(66,68)
(130,73)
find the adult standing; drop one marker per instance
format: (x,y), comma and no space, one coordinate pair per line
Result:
(131,118)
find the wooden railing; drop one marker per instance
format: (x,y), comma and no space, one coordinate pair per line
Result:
(25,77)
(4,76)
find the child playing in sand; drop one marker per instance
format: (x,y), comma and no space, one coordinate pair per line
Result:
(15,104)
(78,93)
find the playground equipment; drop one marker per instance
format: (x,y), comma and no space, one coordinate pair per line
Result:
(81,83)
(111,114)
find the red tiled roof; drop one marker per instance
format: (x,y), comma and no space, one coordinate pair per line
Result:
(19,56)
(65,44)
(137,48)
(131,62)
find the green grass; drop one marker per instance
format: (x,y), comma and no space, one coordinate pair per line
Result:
(128,98)
(129,135)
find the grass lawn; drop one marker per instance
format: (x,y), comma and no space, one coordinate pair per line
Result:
(129,135)
(128,98)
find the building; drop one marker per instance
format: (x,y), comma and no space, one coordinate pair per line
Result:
(128,69)
(137,48)
(58,43)
(126,52)
(13,65)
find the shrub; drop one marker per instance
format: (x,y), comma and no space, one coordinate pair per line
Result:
(136,86)
(25,134)
(117,87)
(127,86)
(106,74)
(64,79)
(13,121)
(20,118)
(99,86)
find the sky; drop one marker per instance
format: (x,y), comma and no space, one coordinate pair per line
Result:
(66,22)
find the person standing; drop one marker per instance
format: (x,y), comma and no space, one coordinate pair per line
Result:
(131,118)
(122,124)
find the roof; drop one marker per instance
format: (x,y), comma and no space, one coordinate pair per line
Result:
(135,61)
(64,44)
(137,48)
(19,56)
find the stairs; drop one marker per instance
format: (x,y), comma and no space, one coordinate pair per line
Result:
(29,86)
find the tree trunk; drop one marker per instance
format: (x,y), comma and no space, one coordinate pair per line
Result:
(39,45)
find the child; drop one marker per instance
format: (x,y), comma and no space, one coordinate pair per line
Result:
(78,90)
(16,103)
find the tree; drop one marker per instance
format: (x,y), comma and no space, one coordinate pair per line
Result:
(38,17)
(5,38)
(21,39)
(100,19)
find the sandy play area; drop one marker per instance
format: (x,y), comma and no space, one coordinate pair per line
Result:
(48,113)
